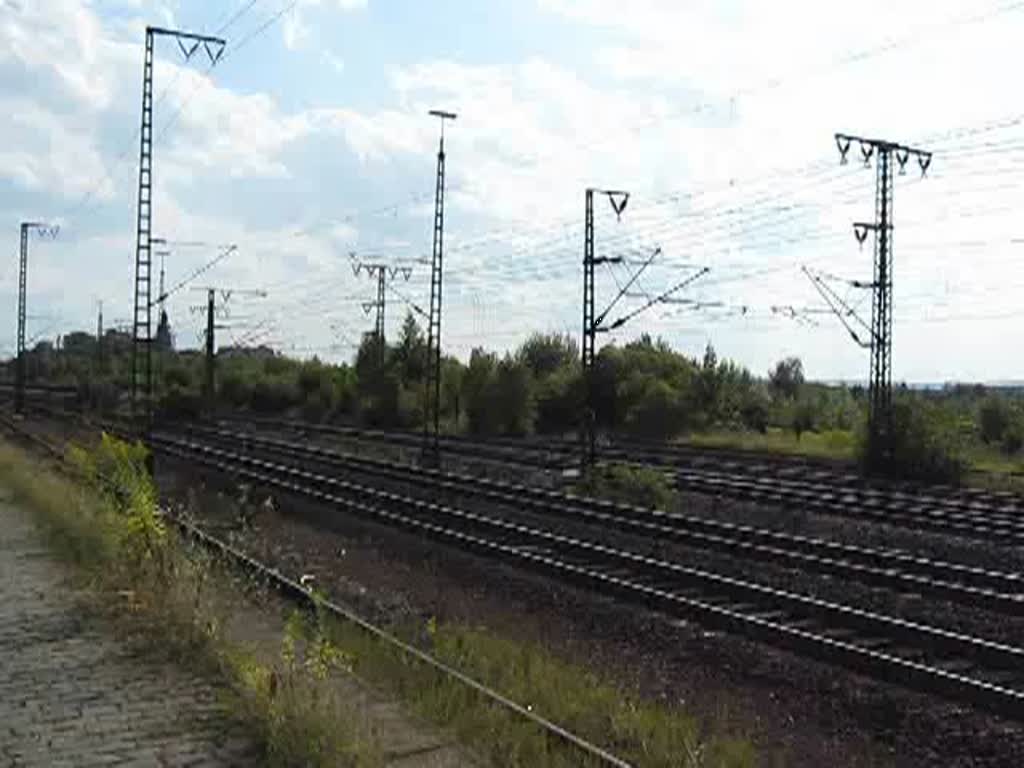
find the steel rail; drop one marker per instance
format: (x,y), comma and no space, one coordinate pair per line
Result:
(981,516)
(988,516)
(759,466)
(922,517)
(893,569)
(296,590)
(670,587)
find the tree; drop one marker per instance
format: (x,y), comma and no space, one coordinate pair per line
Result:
(368,358)
(411,352)
(512,397)
(316,389)
(787,377)
(476,386)
(658,410)
(1013,435)
(558,398)
(803,417)
(709,381)
(79,343)
(926,443)
(547,353)
(993,418)
(164,341)
(452,403)
(754,412)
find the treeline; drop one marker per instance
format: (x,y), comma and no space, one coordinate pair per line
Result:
(643,389)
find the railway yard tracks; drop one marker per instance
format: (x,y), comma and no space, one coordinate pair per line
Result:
(963,667)
(589,544)
(807,485)
(891,569)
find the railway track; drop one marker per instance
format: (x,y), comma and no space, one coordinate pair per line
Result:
(982,515)
(561,454)
(987,516)
(958,666)
(296,591)
(890,569)
(555,453)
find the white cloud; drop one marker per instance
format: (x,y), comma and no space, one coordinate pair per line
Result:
(43,153)
(241,135)
(296,31)
(745,184)
(335,62)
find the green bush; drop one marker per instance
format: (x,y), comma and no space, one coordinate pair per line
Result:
(754,415)
(626,484)
(274,394)
(1013,435)
(926,444)
(178,403)
(803,417)
(235,388)
(558,401)
(994,417)
(658,410)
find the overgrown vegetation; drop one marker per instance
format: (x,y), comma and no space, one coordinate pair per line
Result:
(107,524)
(642,733)
(643,389)
(926,444)
(628,484)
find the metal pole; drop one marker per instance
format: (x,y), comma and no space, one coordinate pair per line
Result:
(19,370)
(99,339)
(432,391)
(591,322)
(209,383)
(880,416)
(880,424)
(142,369)
(588,427)
(381,343)
(142,319)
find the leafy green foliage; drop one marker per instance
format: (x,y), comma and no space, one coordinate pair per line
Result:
(787,377)
(627,484)
(107,524)
(1013,435)
(754,414)
(644,389)
(927,444)
(804,414)
(547,354)
(994,416)
(117,472)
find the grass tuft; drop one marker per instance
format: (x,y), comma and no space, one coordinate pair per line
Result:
(642,733)
(161,592)
(107,524)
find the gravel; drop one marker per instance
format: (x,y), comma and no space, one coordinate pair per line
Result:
(796,711)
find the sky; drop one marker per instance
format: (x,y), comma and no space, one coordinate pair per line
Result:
(308,147)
